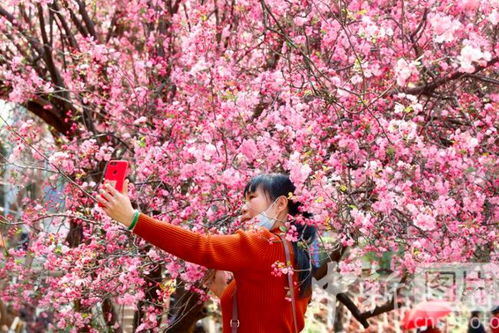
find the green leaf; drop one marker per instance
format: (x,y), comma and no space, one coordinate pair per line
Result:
(408,109)
(470,170)
(390,151)
(142,142)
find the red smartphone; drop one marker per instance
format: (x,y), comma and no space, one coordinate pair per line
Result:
(115,174)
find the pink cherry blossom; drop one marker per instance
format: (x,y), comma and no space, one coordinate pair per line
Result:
(404,71)
(384,114)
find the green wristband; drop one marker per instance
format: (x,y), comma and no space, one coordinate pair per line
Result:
(135,219)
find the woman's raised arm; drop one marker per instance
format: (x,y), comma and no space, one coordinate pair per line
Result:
(241,250)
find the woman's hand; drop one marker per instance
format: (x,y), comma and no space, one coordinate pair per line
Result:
(117,205)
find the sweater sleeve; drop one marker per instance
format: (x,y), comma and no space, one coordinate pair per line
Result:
(226,252)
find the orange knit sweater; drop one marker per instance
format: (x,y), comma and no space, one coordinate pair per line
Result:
(249,255)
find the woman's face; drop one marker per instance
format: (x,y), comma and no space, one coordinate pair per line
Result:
(257,202)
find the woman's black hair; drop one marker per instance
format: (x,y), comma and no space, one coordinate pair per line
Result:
(274,185)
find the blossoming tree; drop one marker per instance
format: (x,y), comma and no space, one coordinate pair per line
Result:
(383,112)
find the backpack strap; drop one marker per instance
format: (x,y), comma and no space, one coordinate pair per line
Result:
(234,322)
(290,281)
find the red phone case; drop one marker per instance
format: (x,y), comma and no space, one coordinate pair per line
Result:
(116,172)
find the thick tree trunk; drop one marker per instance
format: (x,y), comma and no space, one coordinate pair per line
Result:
(188,310)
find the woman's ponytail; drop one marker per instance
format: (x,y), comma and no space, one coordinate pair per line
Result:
(302,249)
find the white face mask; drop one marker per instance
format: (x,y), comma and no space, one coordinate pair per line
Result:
(263,220)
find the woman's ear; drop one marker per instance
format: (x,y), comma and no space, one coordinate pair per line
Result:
(282,203)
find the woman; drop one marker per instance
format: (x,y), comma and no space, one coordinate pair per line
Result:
(260,301)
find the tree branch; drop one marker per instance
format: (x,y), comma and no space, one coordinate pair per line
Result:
(54,120)
(47,51)
(483,78)
(88,21)
(57,10)
(77,22)
(350,305)
(362,317)
(34,42)
(335,256)
(428,89)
